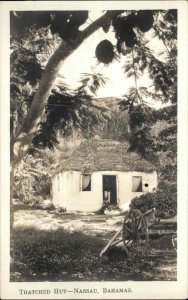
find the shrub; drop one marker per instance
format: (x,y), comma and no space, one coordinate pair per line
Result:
(165,202)
(32,182)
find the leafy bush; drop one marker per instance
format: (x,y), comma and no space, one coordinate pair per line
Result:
(165,202)
(32,182)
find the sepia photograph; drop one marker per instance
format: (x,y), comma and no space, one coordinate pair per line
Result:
(93,149)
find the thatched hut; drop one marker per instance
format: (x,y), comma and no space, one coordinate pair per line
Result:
(101,171)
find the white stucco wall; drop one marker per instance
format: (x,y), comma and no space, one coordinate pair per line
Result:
(68,194)
(125,186)
(66,189)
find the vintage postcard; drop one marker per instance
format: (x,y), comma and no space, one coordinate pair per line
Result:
(94,149)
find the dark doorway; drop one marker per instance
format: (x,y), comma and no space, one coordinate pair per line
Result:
(109,189)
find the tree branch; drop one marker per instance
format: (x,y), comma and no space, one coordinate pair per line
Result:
(24,138)
(96,24)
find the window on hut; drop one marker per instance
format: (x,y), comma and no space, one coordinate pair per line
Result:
(86,182)
(137,183)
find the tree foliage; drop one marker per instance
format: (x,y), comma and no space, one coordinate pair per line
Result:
(29,53)
(67,112)
(140,59)
(32,181)
(66,109)
(34,39)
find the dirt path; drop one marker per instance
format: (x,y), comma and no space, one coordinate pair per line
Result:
(95,225)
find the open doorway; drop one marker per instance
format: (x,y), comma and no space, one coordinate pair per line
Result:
(109,189)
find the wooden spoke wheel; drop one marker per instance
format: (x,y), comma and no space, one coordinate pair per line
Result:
(135,233)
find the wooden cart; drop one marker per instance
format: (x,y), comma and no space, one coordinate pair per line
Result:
(138,228)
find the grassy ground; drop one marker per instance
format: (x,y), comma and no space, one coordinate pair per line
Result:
(62,247)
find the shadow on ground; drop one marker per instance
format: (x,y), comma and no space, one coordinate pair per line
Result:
(60,255)
(48,246)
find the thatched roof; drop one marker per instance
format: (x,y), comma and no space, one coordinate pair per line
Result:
(104,155)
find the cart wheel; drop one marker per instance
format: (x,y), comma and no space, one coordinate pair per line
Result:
(135,233)
(174,242)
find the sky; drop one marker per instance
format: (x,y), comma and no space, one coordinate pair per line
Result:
(83,59)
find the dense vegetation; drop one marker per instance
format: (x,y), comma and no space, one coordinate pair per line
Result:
(33,40)
(76,112)
(45,112)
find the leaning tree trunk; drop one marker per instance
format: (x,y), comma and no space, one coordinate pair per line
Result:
(24,137)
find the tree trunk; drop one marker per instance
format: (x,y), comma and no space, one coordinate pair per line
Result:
(24,137)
